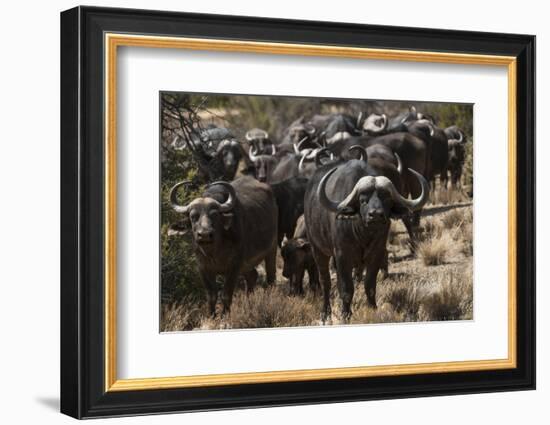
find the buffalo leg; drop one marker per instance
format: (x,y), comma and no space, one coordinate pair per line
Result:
(344,271)
(251,278)
(373,267)
(271,265)
(209,281)
(322,262)
(313,277)
(384,266)
(412,222)
(358,274)
(444,179)
(298,284)
(228,289)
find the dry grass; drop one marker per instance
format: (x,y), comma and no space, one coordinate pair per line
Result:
(434,251)
(449,197)
(182,316)
(434,285)
(453,218)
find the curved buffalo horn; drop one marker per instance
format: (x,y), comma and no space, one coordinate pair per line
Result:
(248,136)
(358,124)
(362,184)
(310,154)
(296,150)
(173,201)
(309,129)
(301,164)
(273,149)
(301,142)
(230,202)
(385,125)
(412,204)
(322,195)
(222,144)
(399,164)
(362,152)
(461,134)
(427,123)
(252,154)
(307,154)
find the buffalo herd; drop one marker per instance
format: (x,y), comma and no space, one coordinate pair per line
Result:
(324,195)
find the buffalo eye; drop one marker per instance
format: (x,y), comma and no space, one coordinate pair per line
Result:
(194,216)
(364,198)
(214,213)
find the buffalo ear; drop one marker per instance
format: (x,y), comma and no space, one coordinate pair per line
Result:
(302,243)
(180,228)
(399,211)
(227,219)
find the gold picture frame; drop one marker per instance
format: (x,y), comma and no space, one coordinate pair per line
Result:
(114,41)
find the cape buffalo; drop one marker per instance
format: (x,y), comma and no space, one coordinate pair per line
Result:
(375,124)
(234,228)
(457,153)
(436,140)
(289,195)
(264,164)
(259,140)
(298,259)
(347,215)
(229,153)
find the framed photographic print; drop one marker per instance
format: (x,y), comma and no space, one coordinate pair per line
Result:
(261,212)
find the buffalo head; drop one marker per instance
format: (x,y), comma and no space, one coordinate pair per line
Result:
(457,148)
(206,216)
(375,124)
(229,152)
(374,198)
(263,164)
(258,138)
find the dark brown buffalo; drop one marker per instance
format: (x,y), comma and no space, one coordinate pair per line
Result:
(234,228)
(347,214)
(457,153)
(298,259)
(436,141)
(289,195)
(230,156)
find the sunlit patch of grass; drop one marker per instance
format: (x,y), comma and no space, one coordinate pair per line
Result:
(434,251)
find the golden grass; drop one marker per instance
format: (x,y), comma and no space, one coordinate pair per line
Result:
(434,251)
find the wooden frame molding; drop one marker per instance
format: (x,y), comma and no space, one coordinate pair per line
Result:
(113,41)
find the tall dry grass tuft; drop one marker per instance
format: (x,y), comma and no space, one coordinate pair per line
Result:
(453,301)
(434,251)
(271,307)
(182,316)
(432,227)
(467,240)
(404,298)
(453,218)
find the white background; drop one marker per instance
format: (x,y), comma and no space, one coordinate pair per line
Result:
(139,343)
(29,225)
